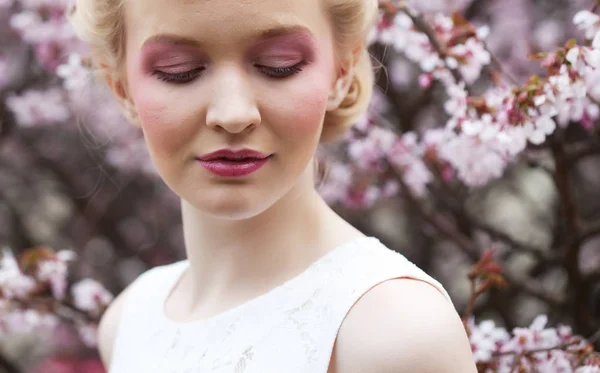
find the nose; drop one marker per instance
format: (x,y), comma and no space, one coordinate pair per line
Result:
(232,106)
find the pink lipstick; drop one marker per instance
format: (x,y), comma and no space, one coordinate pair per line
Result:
(229,163)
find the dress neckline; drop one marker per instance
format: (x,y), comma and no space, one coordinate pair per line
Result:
(181,266)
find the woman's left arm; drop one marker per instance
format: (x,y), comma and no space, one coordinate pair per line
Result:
(403,325)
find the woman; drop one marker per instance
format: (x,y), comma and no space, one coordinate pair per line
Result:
(233,98)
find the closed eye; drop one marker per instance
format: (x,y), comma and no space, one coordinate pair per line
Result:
(281,72)
(188,76)
(179,78)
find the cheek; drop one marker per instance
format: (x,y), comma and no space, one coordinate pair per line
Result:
(301,106)
(160,113)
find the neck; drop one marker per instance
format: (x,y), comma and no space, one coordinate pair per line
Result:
(233,259)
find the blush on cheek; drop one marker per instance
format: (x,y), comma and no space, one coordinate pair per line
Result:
(163,127)
(147,103)
(310,96)
(303,119)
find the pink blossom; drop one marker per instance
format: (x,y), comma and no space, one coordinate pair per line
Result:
(476,162)
(90,296)
(368,151)
(337,182)
(34,108)
(425,80)
(55,272)
(417,176)
(406,154)
(475,56)
(587,22)
(390,189)
(362,198)
(486,338)
(27,321)
(88,334)
(588,369)
(13,283)
(456,105)
(74,74)
(364,153)
(533,337)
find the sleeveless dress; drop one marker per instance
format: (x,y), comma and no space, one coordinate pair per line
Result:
(290,329)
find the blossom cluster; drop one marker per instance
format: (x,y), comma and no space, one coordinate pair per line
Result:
(43,25)
(33,292)
(537,348)
(483,134)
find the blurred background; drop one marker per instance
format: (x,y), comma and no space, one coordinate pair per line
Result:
(74,175)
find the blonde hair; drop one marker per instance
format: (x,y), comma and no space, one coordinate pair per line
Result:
(100,23)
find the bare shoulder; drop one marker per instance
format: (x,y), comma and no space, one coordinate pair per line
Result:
(108,325)
(403,325)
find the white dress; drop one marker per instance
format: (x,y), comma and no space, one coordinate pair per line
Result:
(290,329)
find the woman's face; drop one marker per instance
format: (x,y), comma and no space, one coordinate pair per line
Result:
(208,75)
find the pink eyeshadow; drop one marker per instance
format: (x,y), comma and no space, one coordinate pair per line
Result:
(166,54)
(299,44)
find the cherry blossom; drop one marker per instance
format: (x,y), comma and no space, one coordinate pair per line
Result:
(88,332)
(587,22)
(494,343)
(486,338)
(35,107)
(13,283)
(26,321)
(55,272)
(90,296)
(74,73)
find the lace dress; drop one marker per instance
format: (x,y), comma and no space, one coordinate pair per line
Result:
(292,328)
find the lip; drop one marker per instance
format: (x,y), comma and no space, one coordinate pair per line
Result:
(230,163)
(233,154)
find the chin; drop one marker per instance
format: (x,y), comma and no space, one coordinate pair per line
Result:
(234,206)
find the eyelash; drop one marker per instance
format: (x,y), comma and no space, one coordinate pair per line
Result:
(188,76)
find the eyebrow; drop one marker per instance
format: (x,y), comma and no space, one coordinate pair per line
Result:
(269,33)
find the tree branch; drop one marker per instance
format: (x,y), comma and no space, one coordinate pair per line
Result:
(551,258)
(439,221)
(568,208)
(569,218)
(577,152)
(588,230)
(8,365)
(442,224)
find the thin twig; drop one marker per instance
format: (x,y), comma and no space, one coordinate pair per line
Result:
(498,65)
(422,25)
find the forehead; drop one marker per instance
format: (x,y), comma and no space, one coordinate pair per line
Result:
(221,23)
